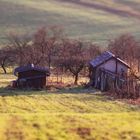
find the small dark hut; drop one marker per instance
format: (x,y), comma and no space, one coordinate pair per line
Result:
(31,76)
(107,69)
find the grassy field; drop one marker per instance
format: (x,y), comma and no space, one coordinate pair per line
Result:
(96,20)
(75,113)
(68,114)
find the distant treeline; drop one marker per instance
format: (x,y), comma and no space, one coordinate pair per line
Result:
(50,47)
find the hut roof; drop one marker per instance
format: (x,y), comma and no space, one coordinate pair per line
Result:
(104,57)
(31,67)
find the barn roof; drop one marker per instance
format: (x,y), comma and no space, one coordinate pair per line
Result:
(104,57)
(31,67)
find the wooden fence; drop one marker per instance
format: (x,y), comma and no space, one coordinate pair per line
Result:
(66,79)
(130,88)
(122,87)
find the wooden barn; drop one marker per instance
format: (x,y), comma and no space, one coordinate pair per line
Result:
(31,76)
(106,70)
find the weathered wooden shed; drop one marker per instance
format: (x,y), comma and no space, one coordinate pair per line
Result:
(107,68)
(31,76)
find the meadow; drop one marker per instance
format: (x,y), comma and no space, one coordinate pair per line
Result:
(93,20)
(71,114)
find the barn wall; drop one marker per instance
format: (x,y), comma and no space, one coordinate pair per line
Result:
(30,73)
(121,66)
(34,82)
(111,66)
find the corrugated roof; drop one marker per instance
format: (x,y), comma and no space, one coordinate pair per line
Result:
(105,57)
(101,58)
(30,67)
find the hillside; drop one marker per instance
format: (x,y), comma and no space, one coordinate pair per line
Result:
(89,19)
(70,114)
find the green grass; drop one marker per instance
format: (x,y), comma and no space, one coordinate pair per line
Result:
(73,114)
(68,114)
(78,21)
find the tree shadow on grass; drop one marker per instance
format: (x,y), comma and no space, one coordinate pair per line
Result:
(75,92)
(4,91)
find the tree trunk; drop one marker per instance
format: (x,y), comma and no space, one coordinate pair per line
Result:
(76,79)
(49,62)
(4,69)
(138,66)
